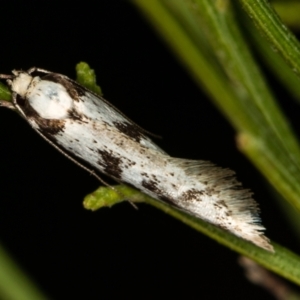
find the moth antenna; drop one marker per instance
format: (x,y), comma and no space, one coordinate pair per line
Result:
(5,76)
(35,69)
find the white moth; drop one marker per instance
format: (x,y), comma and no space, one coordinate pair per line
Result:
(80,123)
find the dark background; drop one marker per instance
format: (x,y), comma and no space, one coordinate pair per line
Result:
(119,252)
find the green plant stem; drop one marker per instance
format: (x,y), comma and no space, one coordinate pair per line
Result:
(87,77)
(242,95)
(275,62)
(241,68)
(14,285)
(272,130)
(5,94)
(259,155)
(239,90)
(288,11)
(281,38)
(282,262)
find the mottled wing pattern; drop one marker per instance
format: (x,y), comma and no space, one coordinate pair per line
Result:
(88,127)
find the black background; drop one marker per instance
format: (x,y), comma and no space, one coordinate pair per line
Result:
(119,252)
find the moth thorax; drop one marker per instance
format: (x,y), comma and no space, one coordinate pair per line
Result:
(21,84)
(49,99)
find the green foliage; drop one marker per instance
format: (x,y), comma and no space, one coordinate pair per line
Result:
(212,38)
(5,94)
(87,77)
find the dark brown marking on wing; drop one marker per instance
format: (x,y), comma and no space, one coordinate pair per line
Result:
(210,191)
(130,130)
(128,163)
(151,186)
(76,116)
(192,195)
(110,164)
(222,203)
(50,127)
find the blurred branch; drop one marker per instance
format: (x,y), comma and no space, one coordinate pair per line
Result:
(260,276)
(14,284)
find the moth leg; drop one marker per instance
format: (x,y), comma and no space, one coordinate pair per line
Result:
(92,172)
(133,205)
(4,76)
(7,104)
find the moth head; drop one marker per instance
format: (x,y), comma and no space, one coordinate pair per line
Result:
(20,83)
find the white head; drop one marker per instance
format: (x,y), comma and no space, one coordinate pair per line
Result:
(20,83)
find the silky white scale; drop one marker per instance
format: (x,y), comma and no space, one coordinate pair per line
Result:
(86,126)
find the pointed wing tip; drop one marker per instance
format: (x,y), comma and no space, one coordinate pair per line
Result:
(263,242)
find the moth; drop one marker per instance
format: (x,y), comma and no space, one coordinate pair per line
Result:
(84,126)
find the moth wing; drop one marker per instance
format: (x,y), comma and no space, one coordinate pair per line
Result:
(226,195)
(99,110)
(112,107)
